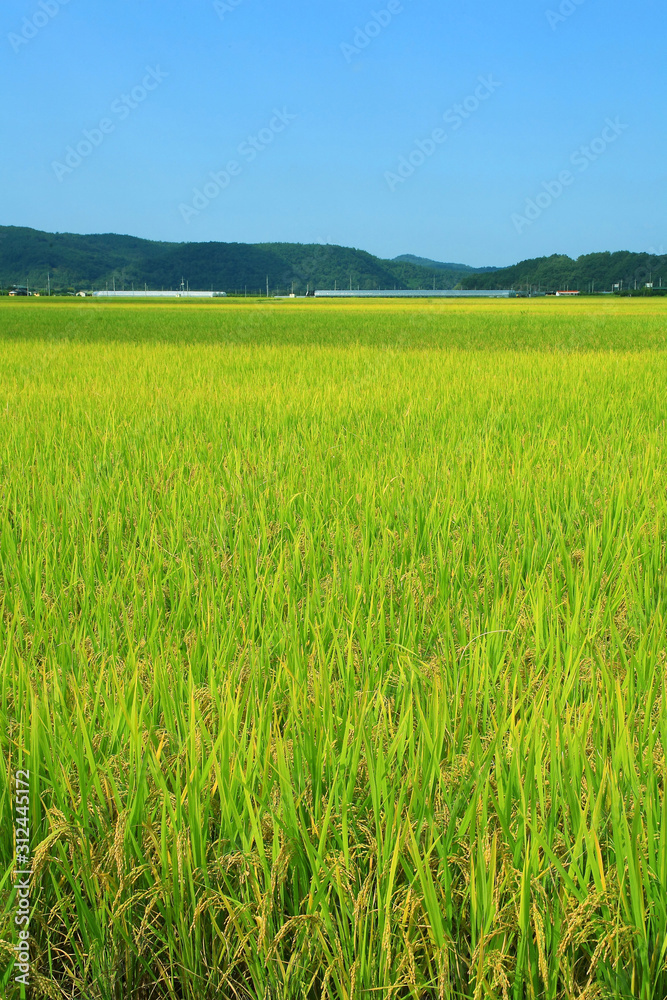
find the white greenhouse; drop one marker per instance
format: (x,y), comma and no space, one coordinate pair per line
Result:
(447,293)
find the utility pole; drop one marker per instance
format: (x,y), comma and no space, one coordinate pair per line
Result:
(48,281)
(267,286)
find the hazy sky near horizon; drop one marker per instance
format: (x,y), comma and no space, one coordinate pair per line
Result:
(484,133)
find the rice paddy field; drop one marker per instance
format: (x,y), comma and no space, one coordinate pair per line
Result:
(333,638)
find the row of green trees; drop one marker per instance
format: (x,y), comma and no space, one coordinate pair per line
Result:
(596,272)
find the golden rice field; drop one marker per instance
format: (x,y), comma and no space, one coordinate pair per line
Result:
(333,636)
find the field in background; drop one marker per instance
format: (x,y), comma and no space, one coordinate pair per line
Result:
(605,324)
(334,639)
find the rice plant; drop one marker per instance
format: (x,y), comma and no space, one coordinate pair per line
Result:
(333,636)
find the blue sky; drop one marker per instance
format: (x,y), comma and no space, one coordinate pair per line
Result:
(327,130)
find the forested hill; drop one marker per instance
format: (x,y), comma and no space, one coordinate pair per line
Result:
(436,265)
(77,262)
(591,272)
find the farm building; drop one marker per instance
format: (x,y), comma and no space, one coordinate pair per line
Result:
(148,294)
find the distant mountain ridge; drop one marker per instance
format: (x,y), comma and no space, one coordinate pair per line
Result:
(75,262)
(435,265)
